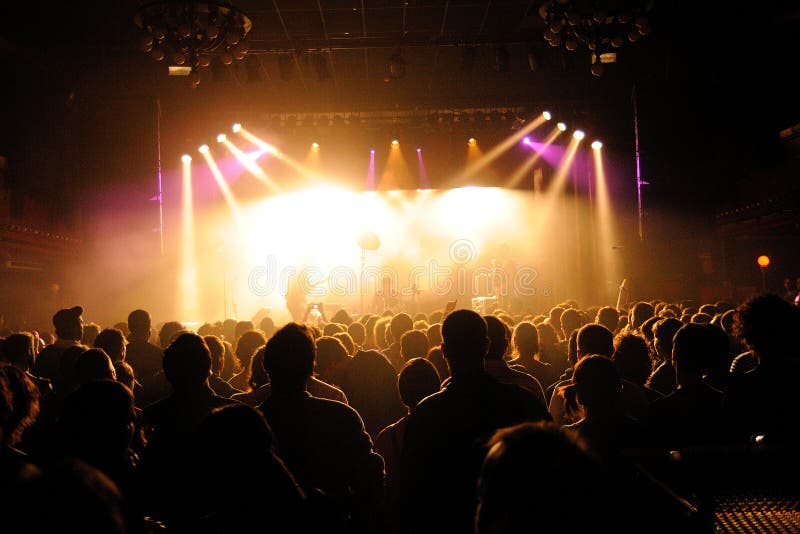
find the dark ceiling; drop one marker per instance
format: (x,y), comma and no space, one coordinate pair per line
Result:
(703,77)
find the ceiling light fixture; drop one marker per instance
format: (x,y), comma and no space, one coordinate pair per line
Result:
(190,32)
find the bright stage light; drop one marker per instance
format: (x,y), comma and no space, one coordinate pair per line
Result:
(419,149)
(597,145)
(763,261)
(315,145)
(526,141)
(371,150)
(186,158)
(578,134)
(221,138)
(203,149)
(395,143)
(547,116)
(562,126)
(472,141)
(236,127)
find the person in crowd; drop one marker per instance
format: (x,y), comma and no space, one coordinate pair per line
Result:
(690,416)
(608,317)
(413,344)
(220,386)
(549,351)
(246,345)
(323,442)
(436,357)
(145,358)
(603,425)
(94,364)
(112,342)
(90,332)
(370,383)
(168,332)
(19,350)
(258,493)
(418,379)
(332,360)
(663,377)
(525,352)
(69,329)
(446,434)
(347,341)
(399,325)
(632,360)
(358,333)
(761,402)
(267,326)
(495,364)
(170,425)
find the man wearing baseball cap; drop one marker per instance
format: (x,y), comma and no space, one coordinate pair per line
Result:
(69,330)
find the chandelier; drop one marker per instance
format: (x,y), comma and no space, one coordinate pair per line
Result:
(190,33)
(600,27)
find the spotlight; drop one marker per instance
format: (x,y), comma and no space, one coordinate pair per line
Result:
(203,149)
(419,149)
(221,138)
(472,141)
(236,127)
(395,142)
(315,145)
(597,145)
(186,158)
(419,190)
(547,116)
(578,134)
(526,140)
(371,150)
(562,126)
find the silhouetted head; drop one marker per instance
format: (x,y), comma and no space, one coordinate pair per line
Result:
(94,364)
(342,317)
(139,324)
(68,323)
(18,349)
(608,317)
(768,325)
(632,358)
(690,348)
(547,336)
(187,362)
(347,341)
(508,501)
(434,333)
(595,339)
(640,312)
(436,357)
(465,341)
(570,320)
(525,341)
(217,351)
(401,323)
(358,333)
(249,342)
(663,333)
(498,337)
(414,344)
(418,379)
(596,383)
(330,353)
(289,357)
(256,375)
(112,341)
(242,327)
(168,332)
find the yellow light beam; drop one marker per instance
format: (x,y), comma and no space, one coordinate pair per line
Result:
(555,189)
(251,165)
(605,221)
(188,267)
(226,192)
(497,150)
(523,169)
(270,149)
